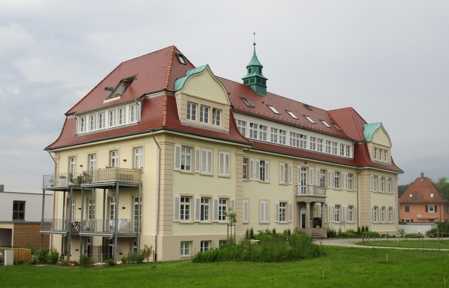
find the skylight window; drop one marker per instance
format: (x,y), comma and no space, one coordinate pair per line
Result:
(247,102)
(325,124)
(310,119)
(292,115)
(273,109)
(121,87)
(181,59)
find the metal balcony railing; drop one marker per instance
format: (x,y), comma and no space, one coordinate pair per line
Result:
(103,175)
(57,181)
(310,190)
(99,226)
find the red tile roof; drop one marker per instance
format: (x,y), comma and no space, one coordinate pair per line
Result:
(421,191)
(158,70)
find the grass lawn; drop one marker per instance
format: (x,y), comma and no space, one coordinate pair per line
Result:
(415,243)
(341,267)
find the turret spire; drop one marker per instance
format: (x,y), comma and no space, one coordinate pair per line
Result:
(254,77)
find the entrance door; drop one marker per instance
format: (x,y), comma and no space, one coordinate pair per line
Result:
(302,218)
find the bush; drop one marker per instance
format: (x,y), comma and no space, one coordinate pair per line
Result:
(442,230)
(414,235)
(267,247)
(85,261)
(136,258)
(52,257)
(111,262)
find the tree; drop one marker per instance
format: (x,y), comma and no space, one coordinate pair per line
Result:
(402,188)
(443,186)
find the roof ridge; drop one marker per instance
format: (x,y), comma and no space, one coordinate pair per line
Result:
(149,53)
(169,67)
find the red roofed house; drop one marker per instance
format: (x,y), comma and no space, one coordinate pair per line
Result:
(160,150)
(423,203)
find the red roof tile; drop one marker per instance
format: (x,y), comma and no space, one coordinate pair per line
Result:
(421,191)
(158,70)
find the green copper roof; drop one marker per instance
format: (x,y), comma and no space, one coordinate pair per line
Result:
(254,60)
(369,130)
(179,83)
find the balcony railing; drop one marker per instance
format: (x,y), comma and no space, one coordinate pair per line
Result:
(54,225)
(99,226)
(310,190)
(103,175)
(57,182)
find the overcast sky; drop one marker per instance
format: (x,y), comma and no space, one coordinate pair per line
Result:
(387,59)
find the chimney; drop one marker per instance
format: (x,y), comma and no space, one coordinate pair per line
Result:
(2,188)
(422,174)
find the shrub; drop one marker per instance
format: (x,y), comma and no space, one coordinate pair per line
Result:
(268,247)
(136,258)
(147,252)
(124,260)
(414,235)
(52,257)
(85,261)
(110,261)
(39,256)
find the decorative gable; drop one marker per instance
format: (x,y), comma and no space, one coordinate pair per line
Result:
(379,142)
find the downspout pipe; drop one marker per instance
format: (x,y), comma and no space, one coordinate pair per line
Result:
(158,199)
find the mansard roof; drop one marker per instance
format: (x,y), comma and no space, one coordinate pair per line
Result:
(422,191)
(158,71)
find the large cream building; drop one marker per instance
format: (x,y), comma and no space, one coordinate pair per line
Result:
(160,152)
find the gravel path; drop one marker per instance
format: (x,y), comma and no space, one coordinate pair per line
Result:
(351,243)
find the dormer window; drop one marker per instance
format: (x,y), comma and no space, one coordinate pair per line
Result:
(310,119)
(325,124)
(292,115)
(273,109)
(121,87)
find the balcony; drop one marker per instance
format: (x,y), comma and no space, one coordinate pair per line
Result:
(109,176)
(59,182)
(107,227)
(56,226)
(310,191)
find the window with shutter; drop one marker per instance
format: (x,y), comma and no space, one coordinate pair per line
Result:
(245,211)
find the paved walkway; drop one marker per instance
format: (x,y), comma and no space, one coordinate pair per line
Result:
(351,243)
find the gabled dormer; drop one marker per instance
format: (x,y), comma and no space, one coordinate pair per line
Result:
(202,100)
(379,142)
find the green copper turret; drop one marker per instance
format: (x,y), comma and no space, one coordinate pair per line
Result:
(254,77)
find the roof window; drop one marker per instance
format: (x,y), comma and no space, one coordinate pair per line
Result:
(121,87)
(181,58)
(247,103)
(273,109)
(310,119)
(325,124)
(292,115)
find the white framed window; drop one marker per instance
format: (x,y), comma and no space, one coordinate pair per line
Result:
(431,208)
(263,212)
(348,151)
(285,173)
(274,135)
(114,159)
(282,212)
(82,124)
(303,141)
(91,163)
(376,216)
(191,111)
(222,209)
(350,213)
(111,117)
(383,214)
(382,184)
(71,166)
(337,179)
(185,248)
(282,137)
(263,174)
(334,148)
(205,160)
(185,208)
(204,210)
(294,139)
(303,180)
(312,143)
(292,115)
(342,149)
(241,125)
(337,213)
(376,183)
(224,163)
(134,112)
(205,245)
(121,115)
(92,122)
(350,181)
(216,116)
(319,145)
(102,120)
(328,146)
(263,132)
(322,178)
(253,130)
(390,214)
(273,109)
(245,168)
(183,158)
(245,207)
(204,113)
(138,157)
(136,212)
(389,185)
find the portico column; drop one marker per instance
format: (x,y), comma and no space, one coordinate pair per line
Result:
(307,215)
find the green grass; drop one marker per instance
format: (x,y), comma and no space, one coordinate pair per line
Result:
(415,243)
(341,267)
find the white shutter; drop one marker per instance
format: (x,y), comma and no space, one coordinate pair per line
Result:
(267,212)
(267,171)
(276,211)
(197,209)
(177,157)
(252,174)
(261,212)
(289,213)
(290,173)
(197,160)
(355,187)
(231,205)
(215,209)
(257,167)
(176,208)
(343,214)
(245,204)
